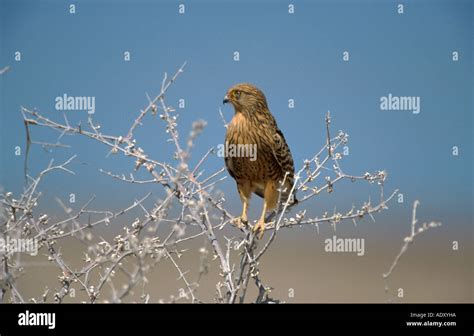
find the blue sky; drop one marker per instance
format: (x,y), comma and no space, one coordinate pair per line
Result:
(295,56)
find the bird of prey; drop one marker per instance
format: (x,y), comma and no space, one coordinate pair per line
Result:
(253,124)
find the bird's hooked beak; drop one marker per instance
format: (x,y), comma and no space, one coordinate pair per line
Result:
(226,100)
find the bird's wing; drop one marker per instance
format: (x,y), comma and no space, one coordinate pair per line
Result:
(282,155)
(229,166)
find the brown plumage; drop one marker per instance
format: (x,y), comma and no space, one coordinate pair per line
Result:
(253,124)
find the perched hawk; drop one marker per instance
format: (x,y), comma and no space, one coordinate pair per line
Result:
(254,125)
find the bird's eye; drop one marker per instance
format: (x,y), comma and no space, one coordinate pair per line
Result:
(237,94)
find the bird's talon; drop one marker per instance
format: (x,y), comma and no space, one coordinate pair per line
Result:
(239,222)
(259,229)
